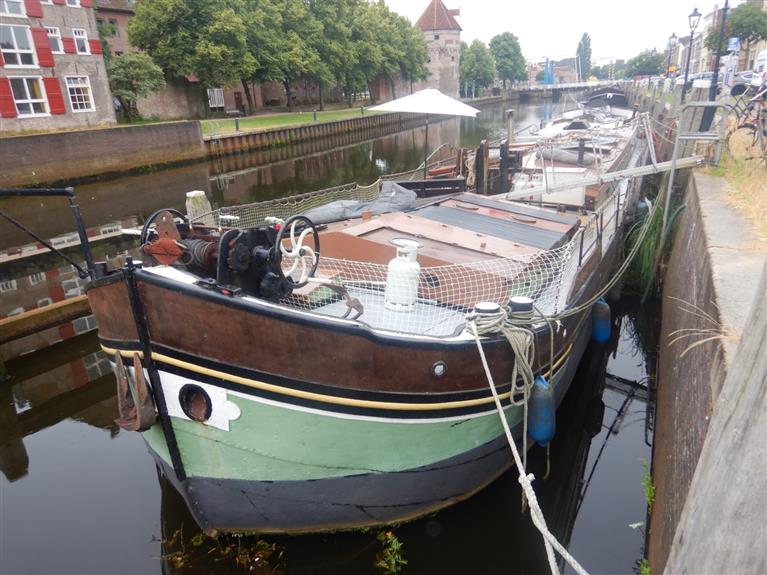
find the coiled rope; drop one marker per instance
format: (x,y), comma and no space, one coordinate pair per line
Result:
(522,343)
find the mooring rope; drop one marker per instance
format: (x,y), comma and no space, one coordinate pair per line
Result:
(478,324)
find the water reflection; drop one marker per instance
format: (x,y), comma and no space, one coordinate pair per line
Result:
(261,175)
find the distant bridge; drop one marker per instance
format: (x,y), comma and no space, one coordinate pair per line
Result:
(527,90)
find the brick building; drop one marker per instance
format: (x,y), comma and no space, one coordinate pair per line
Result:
(443,40)
(52,73)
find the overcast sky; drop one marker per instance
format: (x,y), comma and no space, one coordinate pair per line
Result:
(549,28)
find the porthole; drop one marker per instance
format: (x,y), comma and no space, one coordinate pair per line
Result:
(439,369)
(195,402)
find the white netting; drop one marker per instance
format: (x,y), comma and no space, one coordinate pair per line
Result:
(438,296)
(441,295)
(253,215)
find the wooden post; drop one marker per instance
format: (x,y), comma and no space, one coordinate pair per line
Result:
(479,168)
(502,185)
(510,125)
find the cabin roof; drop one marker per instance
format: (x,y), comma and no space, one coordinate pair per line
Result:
(438,17)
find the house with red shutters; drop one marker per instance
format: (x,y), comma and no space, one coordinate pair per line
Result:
(52,73)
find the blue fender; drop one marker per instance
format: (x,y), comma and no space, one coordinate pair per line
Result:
(542,423)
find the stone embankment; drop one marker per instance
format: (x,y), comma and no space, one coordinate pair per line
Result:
(709,459)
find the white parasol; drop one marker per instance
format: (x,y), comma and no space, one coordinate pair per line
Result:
(428,101)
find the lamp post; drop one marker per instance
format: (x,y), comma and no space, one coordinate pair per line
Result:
(708,113)
(693,18)
(671,44)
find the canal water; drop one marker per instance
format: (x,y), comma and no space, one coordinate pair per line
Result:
(78,495)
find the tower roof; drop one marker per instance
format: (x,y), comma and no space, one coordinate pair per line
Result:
(438,17)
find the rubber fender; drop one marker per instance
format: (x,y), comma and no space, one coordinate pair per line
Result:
(542,423)
(601,324)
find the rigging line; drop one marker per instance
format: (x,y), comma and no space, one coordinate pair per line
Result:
(80,271)
(608,435)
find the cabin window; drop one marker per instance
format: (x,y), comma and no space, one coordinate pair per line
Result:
(436,36)
(195,402)
(73,3)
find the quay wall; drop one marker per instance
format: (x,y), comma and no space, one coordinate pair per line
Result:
(335,133)
(709,286)
(57,157)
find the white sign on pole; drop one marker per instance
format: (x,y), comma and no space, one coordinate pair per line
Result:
(733,44)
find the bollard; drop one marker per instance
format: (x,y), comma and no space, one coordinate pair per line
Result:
(314,114)
(362,111)
(236,124)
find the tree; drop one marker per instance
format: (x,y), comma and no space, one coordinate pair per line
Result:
(477,67)
(206,38)
(509,62)
(133,75)
(647,63)
(747,22)
(413,64)
(584,56)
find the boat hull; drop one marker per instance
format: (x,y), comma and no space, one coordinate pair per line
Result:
(311,479)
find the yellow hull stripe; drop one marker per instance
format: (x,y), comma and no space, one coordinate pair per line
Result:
(346,401)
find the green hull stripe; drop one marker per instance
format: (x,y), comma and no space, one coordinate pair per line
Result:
(273,443)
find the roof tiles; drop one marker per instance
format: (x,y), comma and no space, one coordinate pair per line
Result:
(438,17)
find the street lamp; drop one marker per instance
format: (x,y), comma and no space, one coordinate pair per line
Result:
(671,44)
(693,18)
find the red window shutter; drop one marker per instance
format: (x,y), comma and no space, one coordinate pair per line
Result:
(62,2)
(7,105)
(43,47)
(95,45)
(55,100)
(86,3)
(69,45)
(33,8)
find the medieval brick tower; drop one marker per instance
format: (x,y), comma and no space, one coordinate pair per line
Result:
(443,38)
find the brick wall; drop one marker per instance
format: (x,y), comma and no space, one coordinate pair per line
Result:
(62,156)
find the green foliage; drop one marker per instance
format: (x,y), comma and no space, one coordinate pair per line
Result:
(106,30)
(509,62)
(540,76)
(206,38)
(747,22)
(391,559)
(647,63)
(133,75)
(584,55)
(477,68)
(643,567)
(648,485)
(225,42)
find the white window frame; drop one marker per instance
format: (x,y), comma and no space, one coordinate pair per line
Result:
(90,94)
(35,278)
(6,14)
(16,50)
(44,99)
(73,3)
(81,34)
(216,98)
(46,1)
(55,32)
(8,285)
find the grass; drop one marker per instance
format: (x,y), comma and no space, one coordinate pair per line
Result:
(277,120)
(746,171)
